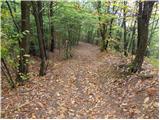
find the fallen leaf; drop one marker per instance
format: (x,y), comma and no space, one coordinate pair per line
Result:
(156,104)
(146,99)
(151,91)
(33,116)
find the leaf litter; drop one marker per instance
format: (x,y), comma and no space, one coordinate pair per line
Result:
(89,85)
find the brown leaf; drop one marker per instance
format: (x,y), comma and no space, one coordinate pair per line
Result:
(151,91)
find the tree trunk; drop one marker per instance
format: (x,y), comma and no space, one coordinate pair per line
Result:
(52,28)
(40,38)
(23,66)
(103,30)
(40,15)
(110,28)
(6,72)
(111,22)
(124,27)
(145,10)
(133,39)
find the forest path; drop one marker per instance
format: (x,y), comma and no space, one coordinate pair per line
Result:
(85,86)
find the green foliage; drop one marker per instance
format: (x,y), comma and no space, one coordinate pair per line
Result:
(153,61)
(154,46)
(23,77)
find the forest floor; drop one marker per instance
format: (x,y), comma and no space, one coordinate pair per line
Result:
(89,85)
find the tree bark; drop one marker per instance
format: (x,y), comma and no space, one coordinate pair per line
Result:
(23,66)
(102,29)
(40,15)
(133,38)
(124,27)
(21,41)
(7,73)
(52,28)
(145,10)
(40,38)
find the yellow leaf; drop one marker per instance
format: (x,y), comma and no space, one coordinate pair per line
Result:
(146,99)
(33,116)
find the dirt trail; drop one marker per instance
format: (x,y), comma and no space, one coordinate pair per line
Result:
(85,51)
(86,86)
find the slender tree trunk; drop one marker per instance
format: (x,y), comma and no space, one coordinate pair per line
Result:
(103,30)
(40,15)
(110,28)
(145,10)
(52,28)
(6,72)
(40,38)
(11,13)
(79,34)
(133,38)
(111,22)
(124,27)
